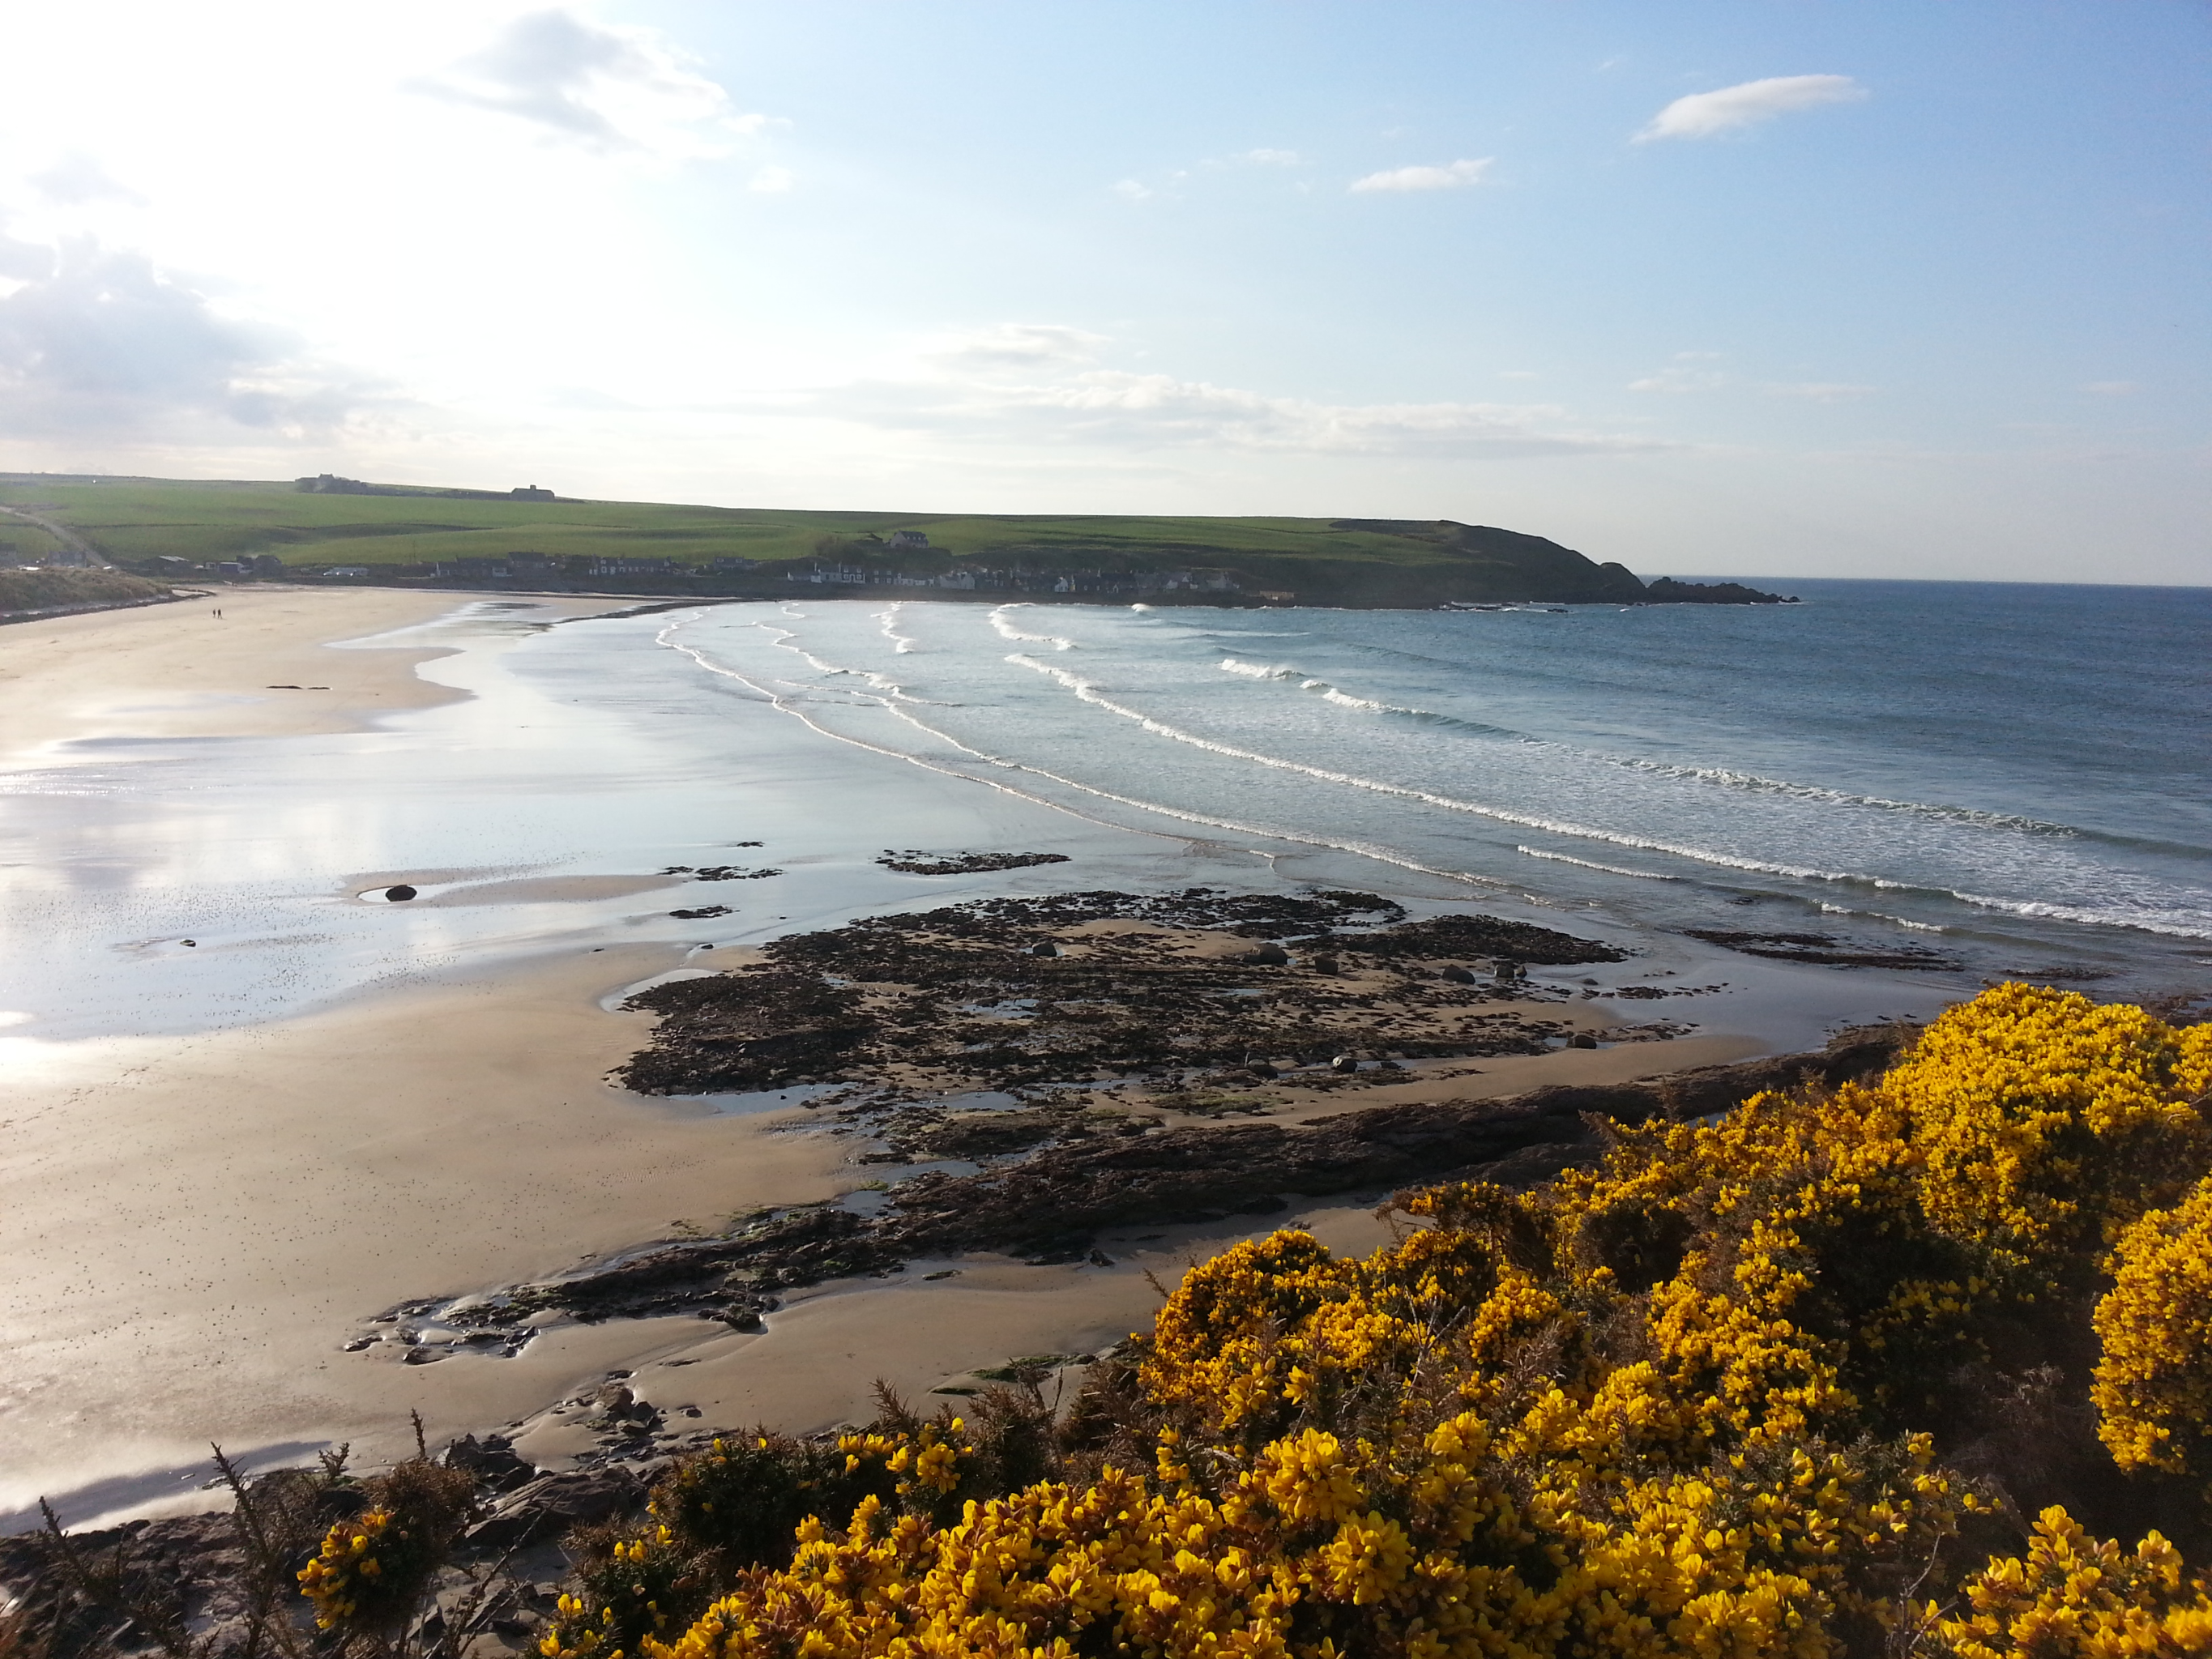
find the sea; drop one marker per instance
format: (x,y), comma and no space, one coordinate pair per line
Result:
(1990,780)
(2017,777)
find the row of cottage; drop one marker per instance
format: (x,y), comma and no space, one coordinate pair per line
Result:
(969,580)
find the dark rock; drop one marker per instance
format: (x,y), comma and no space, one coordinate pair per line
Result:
(1270,956)
(1457,974)
(1665,590)
(1053,1205)
(1344,1065)
(1100,1259)
(918,863)
(1582,1040)
(1044,948)
(399,894)
(1323,964)
(1507,972)
(553,1504)
(491,1460)
(1826,950)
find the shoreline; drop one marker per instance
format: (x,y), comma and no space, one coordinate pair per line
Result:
(450,1135)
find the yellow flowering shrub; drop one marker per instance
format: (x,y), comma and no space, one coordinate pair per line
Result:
(346,1580)
(2077,1597)
(1711,1398)
(2040,1113)
(370,1571)
(2154,1380)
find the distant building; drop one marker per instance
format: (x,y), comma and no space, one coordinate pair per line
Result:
(347,571)
(631,567)
(532,493)
(900,540)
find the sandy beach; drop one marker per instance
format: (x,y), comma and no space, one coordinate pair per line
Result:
(199,1222)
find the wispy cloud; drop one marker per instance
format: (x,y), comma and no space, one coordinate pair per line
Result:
(1452,175)
(1684,374)
(1027,345)
(770,181)
(1271,158)
(76,177)
(1130,190)
(609,88)
(98,341)
(1694,372)
(1703,114)
(1820,392)
(1050,399)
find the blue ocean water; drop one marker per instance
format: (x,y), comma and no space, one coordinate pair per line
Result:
(2015,777)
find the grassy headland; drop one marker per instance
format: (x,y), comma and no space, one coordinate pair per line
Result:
(35,591)
(479,539)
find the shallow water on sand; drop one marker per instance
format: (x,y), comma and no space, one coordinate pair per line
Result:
(175,885)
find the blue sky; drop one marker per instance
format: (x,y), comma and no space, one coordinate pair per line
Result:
(1780,288)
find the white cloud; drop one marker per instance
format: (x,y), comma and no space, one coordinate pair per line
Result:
(1702,114)
(1451,176)
(1111,408)
(1130,190)
(1680,376)
(76,177)
(1023,344)
(1272,158)
(609,88)
(1820,392)
(770,181)
(101,342)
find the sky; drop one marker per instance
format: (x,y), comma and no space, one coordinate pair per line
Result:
(1847,288)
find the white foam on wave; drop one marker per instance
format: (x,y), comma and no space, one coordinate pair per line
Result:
(1726,778)
(1591,864)
(901,643)
(1008,631)
(2129,916)
(1723,777)
(1346,700)
(788,702)
(1287,672)
(1827,909)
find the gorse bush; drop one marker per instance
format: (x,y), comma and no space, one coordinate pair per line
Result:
(370,1574)
(1790,1383)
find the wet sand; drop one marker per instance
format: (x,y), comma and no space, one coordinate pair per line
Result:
(193,1225)
(176,671)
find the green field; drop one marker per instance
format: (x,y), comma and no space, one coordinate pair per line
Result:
(404,534)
